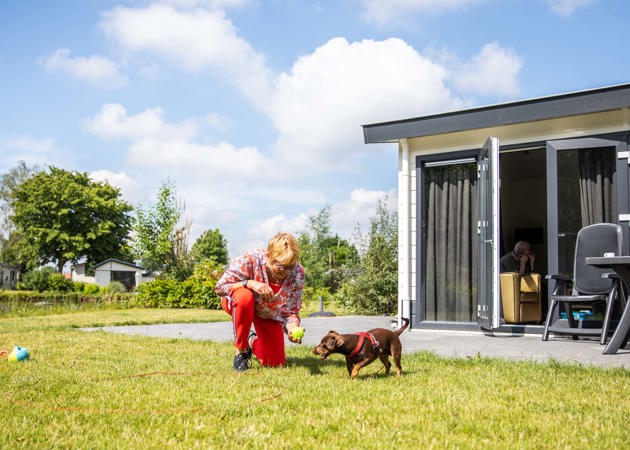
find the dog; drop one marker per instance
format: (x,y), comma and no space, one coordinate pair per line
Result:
(361,349)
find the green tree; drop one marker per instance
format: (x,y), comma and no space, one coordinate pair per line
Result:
(326,257)
(159,241)
(210,246)
(13,249)
(64,216)
(375,289)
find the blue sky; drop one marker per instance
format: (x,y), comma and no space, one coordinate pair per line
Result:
(254,108)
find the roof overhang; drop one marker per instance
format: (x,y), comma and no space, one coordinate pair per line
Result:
(543,108)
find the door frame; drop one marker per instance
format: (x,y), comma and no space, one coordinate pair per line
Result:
(488,228)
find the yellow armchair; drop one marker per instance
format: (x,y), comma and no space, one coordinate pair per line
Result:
(520,297)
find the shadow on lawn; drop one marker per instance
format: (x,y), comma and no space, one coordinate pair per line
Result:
(316,366)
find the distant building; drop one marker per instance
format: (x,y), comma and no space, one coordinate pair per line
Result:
(10,276)
(130,275)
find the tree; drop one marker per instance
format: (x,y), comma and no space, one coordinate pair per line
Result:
(210,246)
(64,216)
(159,241)
(325,257)
(13,248)
(375,289)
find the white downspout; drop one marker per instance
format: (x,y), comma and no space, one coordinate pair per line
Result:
(404,242)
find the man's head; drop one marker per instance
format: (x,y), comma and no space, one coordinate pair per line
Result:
(522,248)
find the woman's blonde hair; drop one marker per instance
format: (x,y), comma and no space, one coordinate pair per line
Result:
(284,249)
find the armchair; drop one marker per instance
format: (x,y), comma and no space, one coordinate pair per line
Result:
(520,297)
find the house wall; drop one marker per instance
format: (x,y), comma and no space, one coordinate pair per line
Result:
(78,274)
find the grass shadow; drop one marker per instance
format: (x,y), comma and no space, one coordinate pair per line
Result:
(314,364)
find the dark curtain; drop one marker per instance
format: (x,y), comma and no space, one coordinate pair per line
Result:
(597,185)
(451,266)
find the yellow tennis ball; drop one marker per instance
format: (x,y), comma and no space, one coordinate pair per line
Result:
(298,333)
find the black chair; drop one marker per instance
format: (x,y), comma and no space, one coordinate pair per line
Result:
(591,284)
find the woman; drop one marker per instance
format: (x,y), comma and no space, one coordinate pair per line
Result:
(264,288)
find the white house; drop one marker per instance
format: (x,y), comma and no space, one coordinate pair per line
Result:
(130,275)
(472,182)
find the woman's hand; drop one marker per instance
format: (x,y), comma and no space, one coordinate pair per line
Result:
(290,327)
(260,288)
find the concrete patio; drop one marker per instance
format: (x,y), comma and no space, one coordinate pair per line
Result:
(525,347)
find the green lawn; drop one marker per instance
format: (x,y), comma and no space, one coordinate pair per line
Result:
(99,390)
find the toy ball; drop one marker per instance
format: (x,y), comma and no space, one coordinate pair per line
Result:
(298,333)
(19,354)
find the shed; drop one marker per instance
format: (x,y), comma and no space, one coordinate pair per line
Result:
(474,181)
(130,275)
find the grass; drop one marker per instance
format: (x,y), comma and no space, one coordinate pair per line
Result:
(110,391)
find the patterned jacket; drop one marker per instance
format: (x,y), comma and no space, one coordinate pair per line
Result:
(284,306)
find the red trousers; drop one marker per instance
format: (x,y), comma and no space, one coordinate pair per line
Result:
(269,344)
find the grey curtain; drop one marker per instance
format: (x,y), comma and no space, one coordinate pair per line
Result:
(598,199)
(451,267)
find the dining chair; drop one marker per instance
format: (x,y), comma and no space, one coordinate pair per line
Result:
(590,284)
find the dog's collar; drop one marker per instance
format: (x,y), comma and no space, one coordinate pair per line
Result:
(362,336)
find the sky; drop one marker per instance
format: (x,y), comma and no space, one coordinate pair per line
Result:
(253,109)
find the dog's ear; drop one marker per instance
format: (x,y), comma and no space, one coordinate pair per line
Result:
(332,332)
(338,340)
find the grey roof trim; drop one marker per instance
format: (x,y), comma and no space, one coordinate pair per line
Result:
(119,262)
(571,104)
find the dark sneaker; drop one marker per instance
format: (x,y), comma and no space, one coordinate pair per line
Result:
(241,362)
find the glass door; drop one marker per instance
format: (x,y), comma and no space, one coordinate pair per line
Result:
(488,307)
(587,183)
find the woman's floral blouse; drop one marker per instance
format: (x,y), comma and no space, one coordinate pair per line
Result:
(283,306)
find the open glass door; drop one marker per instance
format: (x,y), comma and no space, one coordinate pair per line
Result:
(488,308)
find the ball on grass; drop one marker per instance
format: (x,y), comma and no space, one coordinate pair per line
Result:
(297,333)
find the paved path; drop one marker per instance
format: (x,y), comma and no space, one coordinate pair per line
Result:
(444,343)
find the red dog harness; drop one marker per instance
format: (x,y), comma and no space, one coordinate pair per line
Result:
(362,336)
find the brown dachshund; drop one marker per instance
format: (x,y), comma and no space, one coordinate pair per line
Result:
(363,348)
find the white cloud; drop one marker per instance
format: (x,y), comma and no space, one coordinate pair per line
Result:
(129,187)
(94,69)
(381,12)
(319,106)
(193,40)
(198,161)
(259,235)
(218,122)
(38,152)
(114,122)
(494,71)
(358,209)
(211,4)
(566,8)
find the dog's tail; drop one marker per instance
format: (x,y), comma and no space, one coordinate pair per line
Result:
(404,327)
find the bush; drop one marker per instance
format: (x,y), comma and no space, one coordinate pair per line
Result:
(194,292)
(36,280)
(114,287)
(91,289)
(59,283)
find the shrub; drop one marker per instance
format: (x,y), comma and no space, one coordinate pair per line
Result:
(36,280)
(194,292)
(59,283)
(91,288)
(115,287)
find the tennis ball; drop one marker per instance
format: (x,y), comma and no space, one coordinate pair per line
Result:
(298,333)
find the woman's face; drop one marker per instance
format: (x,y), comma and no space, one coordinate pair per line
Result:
(277,270)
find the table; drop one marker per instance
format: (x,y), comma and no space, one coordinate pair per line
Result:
(621,265)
